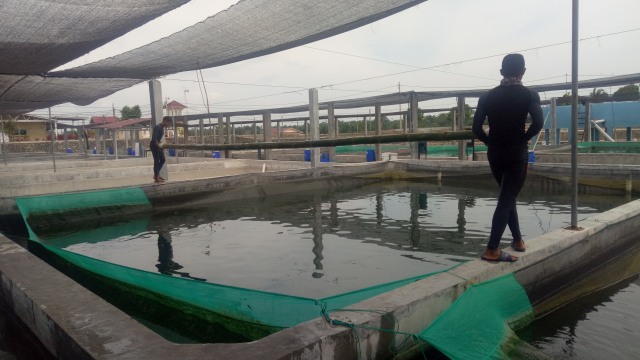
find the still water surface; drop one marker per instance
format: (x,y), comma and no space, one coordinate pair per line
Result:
(604,325)
(318,245)
(329,242)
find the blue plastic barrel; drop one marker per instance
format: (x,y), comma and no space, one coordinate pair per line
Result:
(371,155)
(215,154)
(110,151)
(532,157)
(172,152)
(324,157)
(69,150)
(307,155)
(129,151)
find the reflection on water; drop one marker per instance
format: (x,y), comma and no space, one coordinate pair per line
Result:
(165,264)
(603,325)
(321,243)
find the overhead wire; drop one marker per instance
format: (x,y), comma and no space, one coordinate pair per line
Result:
(433,67)
(332,87)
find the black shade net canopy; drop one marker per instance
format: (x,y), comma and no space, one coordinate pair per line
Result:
(37,36)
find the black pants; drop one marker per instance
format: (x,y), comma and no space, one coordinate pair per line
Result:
(158,160)
(509,168)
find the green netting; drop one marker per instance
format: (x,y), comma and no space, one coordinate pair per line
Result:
(249,306)
(60,203)
(437,150)
(252,306)
(478,325)
(609,147)
(56,212)
(346,149)
(451,150)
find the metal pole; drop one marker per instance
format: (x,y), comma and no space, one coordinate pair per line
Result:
(378,120)
(554,122)
(4,152)
(413,123)
(175,134)
(314,119)
(331,126)
(266,133)
(461,143)
(53,142)
(115,143)
(574,116)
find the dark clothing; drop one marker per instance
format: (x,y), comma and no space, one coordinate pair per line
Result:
(156,136)
(506,108)
(509,168)
(158,160)
(156,151)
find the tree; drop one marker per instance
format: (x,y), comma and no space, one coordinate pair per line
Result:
(130,112)
(628,93)
(10,126)
(564,100)
(599,95)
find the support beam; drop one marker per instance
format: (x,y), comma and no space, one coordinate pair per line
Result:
(384,139)
(115,143)
(233,133)
(461,113)
(266,127)
(227,153)
(366,127)
(587,122)
(278,130)
(220,129)
(314,118)
(378,132)
(185,129)
(155,96)
(255,130)
(413,123)
(332,129)
(555,140)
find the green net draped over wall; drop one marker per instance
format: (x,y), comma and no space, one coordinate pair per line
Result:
(478,325)
(55,213)
(250,307)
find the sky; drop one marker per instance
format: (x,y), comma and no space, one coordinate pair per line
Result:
(437,45)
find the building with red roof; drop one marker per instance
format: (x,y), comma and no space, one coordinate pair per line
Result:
(102,120)
(174,108)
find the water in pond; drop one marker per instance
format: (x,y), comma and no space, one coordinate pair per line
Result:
(329,242)
(604,325)
(322,244)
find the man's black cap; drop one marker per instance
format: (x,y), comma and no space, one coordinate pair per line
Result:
(513,65)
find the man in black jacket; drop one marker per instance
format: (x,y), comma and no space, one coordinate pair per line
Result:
(506,108)
(156,148)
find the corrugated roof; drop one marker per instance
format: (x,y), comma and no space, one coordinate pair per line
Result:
(101,120)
